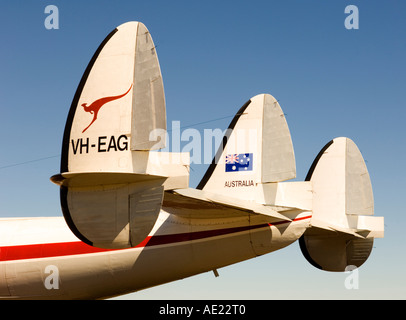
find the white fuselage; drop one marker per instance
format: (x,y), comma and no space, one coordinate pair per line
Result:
(35,250)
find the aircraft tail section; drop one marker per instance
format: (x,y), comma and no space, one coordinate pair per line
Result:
(112,182)
(256,150)
(342,227)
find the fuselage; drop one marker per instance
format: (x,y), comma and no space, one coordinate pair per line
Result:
(37,252)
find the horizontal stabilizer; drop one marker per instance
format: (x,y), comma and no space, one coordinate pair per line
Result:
(171,168)
(373,230)
(203,205)
(94,179)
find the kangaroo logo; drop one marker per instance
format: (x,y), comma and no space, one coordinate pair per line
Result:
(95,107)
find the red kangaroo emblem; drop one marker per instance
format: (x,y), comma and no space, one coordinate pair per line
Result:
(95,106)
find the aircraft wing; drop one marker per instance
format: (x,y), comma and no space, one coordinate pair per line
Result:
(194,203)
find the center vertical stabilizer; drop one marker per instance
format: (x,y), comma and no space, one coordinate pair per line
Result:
(256,150)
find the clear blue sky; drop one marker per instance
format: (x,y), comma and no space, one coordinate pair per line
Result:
(214,56)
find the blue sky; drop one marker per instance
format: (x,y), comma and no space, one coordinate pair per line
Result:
(214,56)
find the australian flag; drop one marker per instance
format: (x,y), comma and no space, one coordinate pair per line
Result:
(239,162)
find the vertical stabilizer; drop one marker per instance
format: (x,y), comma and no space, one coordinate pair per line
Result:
(112,183)
(119,102)
(343,227)
(256,149)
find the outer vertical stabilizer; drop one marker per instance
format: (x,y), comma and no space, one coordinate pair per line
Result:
(118,103)
(112,183)
(343,226)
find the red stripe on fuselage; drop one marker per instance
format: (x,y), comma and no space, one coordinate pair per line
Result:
(47,250)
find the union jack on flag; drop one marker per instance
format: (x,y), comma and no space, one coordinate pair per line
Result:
(232,158)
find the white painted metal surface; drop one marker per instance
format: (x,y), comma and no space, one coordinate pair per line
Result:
(131,222)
